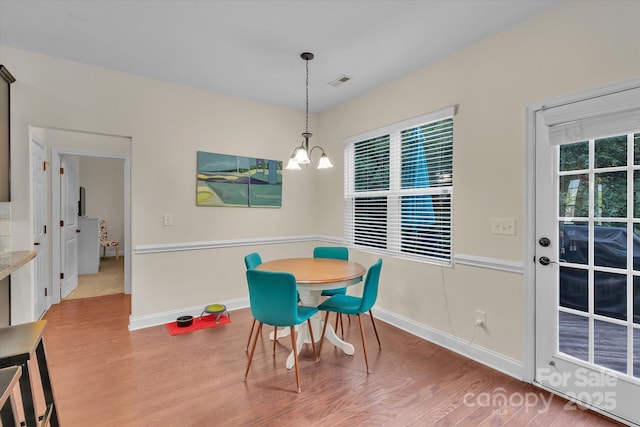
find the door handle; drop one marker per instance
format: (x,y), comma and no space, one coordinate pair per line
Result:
(544,260)
(77,231)
(36,244)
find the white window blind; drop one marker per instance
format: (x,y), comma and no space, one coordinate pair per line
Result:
(398,188)
(613,114)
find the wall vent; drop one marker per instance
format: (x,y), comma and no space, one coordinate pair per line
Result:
(340,80)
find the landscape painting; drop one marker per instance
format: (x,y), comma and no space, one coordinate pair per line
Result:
(234,181)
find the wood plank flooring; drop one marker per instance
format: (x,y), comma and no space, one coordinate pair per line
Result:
(104,375)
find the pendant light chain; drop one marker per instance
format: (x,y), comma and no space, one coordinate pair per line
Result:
(307,103)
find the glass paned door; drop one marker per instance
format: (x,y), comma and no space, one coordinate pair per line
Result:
(588,278)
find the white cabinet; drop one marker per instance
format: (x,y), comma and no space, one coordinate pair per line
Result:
(88,245)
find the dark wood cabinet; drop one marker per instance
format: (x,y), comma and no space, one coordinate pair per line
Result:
(5,176)
(5,188)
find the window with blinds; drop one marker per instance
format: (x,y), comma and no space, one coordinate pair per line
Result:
(398,186)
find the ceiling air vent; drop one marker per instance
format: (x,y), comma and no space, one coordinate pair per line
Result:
(340,80)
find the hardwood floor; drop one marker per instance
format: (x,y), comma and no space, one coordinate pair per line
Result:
(104,375)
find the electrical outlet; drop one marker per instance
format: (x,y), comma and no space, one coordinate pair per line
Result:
(481,318)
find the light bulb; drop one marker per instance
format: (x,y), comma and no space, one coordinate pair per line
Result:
(302,157)
(292,165)
(324,162)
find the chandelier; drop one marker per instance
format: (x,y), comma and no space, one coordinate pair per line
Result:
(302,154)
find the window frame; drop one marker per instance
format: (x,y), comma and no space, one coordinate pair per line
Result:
(394,229)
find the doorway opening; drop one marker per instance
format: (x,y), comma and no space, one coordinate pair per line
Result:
(100,207)
(97,157)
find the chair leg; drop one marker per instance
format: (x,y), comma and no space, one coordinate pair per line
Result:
(364,345)
(253,350)
(375,329)
(324,328)
(253,325)
(295,356)
(118,251)
(275,339)
(313,341)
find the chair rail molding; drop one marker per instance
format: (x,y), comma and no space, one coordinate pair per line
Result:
(217,244)
(490,263)
(468,260)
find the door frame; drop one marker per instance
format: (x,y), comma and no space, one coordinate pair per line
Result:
(56,154)
(530,212)
(42,258)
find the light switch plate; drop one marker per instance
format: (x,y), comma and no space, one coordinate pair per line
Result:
(167,219)
(505,226)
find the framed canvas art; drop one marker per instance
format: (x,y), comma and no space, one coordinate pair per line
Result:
(225,180)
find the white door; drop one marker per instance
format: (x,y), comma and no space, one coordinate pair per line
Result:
(588,253)
(41,241)
(69,188)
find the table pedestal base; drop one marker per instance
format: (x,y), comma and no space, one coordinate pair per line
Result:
(312,299)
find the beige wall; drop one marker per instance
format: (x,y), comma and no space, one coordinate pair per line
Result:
(577,46)
(103,180)
(166,124)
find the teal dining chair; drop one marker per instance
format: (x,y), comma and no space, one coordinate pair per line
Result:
(334,252)
(252,261)
(346,304)
(273,297)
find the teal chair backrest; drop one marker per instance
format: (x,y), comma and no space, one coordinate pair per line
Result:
(370,292)
(335,252)
(273,297)
(252,261)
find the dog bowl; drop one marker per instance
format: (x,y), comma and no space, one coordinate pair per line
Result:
(184,321)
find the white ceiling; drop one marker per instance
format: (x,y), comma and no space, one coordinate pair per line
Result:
(251,48)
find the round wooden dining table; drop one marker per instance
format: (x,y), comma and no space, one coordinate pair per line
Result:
(313,275)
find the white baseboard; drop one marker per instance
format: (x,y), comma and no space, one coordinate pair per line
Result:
(472,351)
(481,355)
(111,252)
(141,322)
